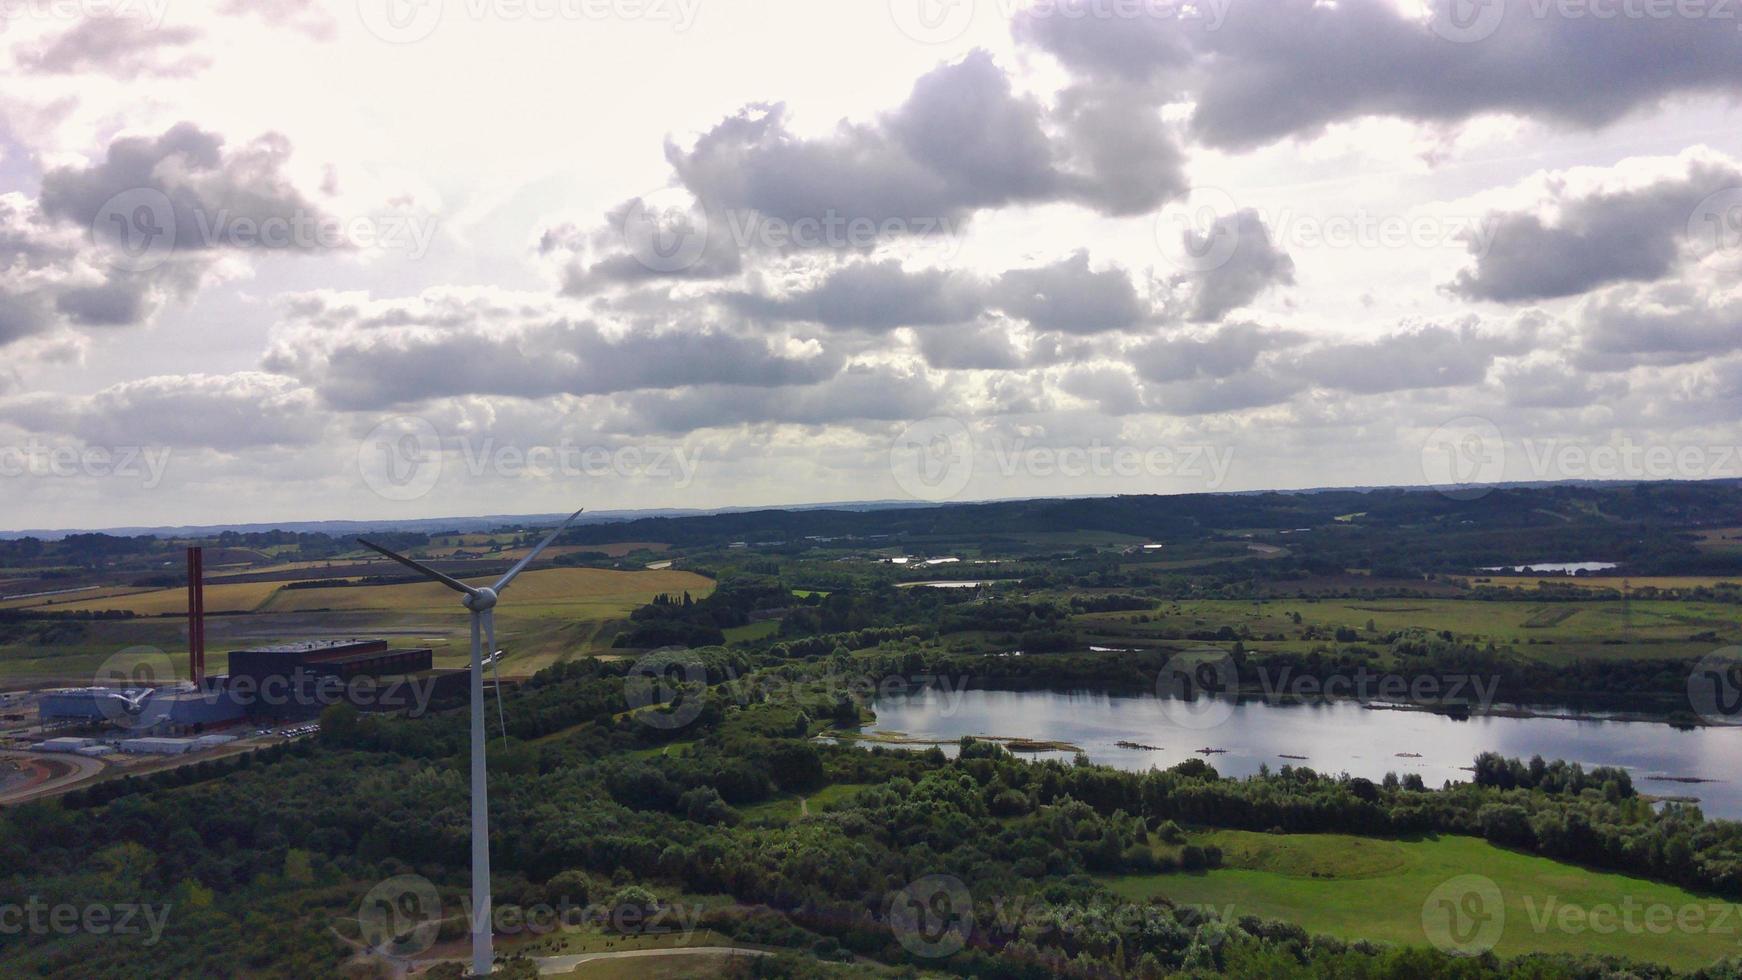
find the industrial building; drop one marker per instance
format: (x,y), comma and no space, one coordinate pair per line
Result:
(182,708)
(158,746)
(298,680)
(343,659)
(268,684)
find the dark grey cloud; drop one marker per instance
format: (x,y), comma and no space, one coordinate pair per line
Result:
(1226,351)
(107,244)
(1122,157)
(118,301)
(122,46)
(1071,297)
(371,356)
(1677,323)
(902,167)
(986,346)
(1633,235)
(198,194)
(1426,357)
(858,393)
(22,314)
(33,266)
(1254,265)
(1260,72)
(875,296)
(962,141)
(1068,296)
(642,242)
(49,276)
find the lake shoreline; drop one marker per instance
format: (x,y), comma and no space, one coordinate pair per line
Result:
(1680,719)
(1363,738)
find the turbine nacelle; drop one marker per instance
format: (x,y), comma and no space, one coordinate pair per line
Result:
(480,600)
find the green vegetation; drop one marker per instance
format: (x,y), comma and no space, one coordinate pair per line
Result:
(1367,888)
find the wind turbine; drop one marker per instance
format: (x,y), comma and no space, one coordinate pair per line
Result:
(482,603)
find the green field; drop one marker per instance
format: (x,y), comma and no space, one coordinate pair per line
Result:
(788,807)
(1546,630)
(668,967)
(1367,888)
(753,631)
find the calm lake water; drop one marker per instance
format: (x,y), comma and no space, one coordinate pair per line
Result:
(1334,737)
(1561,567)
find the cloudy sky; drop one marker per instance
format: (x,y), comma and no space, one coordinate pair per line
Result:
(283,260)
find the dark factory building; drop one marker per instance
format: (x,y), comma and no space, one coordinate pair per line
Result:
(299,679)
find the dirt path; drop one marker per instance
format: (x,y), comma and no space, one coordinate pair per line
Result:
(83,768)
(550,965)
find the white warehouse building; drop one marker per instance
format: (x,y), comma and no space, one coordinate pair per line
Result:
(157,746)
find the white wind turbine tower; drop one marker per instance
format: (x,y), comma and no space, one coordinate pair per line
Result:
(482,603)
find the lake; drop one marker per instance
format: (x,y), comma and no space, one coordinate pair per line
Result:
(1556,567)
(1338,736)
(953,584)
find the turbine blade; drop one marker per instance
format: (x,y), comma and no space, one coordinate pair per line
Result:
(520,566)
(421,569)
(495,671)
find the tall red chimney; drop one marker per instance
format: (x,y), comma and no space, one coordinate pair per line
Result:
(197,616)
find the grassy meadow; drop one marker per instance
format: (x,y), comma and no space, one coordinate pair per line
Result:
(1542,629)
(1372,888)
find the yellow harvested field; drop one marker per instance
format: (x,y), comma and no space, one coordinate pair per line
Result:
(280,568)
(67,598)
(617,550)
(241,597)
(1615,581)
(546,589)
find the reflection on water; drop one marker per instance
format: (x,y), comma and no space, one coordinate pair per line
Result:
(1563,567)
(1334,737)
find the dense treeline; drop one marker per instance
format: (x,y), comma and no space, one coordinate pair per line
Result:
(679,620)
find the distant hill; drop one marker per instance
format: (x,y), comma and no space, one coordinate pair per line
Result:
(477,523)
